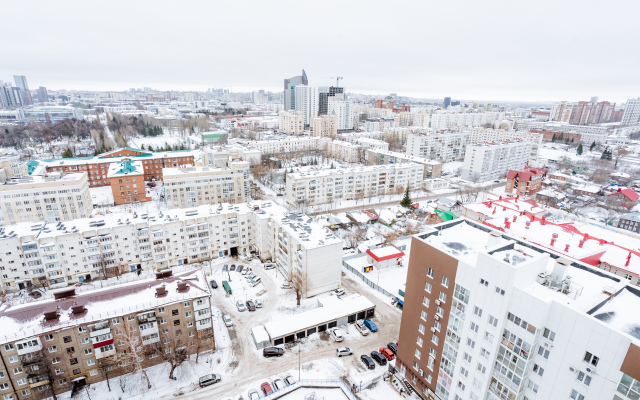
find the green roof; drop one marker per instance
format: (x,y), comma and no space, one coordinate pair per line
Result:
(446,215)
(127,167)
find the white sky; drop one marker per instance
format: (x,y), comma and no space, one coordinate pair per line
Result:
(499,50)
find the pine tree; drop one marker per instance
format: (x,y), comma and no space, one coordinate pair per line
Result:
(553,139)
(406,200)
(579,149)
(592,145)
(67,153)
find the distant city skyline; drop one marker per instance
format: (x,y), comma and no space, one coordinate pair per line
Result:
(502,50)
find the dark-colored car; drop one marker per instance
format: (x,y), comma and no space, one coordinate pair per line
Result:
(225,268)
(380,359)
(393,347)
(366,360)
(214,284)
(272,352)
(239,269)
(151,184)
(250,305)
(209,380)
(232,268)
(266,389)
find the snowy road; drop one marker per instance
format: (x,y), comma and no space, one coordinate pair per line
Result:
(248,365)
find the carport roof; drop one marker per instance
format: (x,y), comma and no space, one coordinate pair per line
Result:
(332,309)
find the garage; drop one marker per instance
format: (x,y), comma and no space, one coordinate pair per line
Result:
(331,312)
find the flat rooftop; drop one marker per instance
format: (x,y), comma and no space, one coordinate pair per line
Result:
(328,171)
(52,177)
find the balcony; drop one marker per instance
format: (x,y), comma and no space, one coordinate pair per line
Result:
(100,328)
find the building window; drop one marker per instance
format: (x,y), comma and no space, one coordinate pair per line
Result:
(591,359)
(430,273)
(477,311)
(445,281)
(427,287)
(549,334)
(576,396)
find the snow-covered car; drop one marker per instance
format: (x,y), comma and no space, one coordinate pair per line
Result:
(336,334)
(339,292)
(241,306)
(227,320)
(245,271)
(253,394)
(278,384)
(289,380)
(361,328)
(258,303)
(269,266)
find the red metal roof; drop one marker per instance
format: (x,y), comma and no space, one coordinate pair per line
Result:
(628,193)
(385,258)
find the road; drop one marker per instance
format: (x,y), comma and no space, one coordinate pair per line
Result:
(248,365)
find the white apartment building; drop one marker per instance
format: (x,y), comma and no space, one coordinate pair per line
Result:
(379,124)
(446,120)
(194,186)
(631,115)
(374,144)
(220,156)
(291,122)
(325,126)
(83,249)
(444,146)
(529,124)
(343,110)
(352,137)
(289,144)
(432,168)
(487,316)
(481,135)
(13,167)
(54,197)
(345,151)
(414,119)
(483,162)
(328,185)
(307,102)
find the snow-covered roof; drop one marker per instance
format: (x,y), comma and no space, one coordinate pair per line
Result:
(385,253)
(359,217)
(633,216)
(621,313)
(332,308)
(26,320)
(551,193)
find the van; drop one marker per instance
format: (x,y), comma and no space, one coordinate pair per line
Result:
(208,380)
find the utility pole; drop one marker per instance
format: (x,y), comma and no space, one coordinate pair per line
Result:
(299,367)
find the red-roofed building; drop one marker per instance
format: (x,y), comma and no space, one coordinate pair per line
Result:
(525,183)
(623,198)
(385,256)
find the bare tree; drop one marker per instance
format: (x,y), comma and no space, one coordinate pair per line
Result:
(171,349)
(132,351)
(619,153)
(299,283)
(390,237)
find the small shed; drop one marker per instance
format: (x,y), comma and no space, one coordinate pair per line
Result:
(384,257)
(260,337)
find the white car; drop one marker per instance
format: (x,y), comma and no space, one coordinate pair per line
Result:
(241,306)
(289,380)
(339,292)
(258,303)
(227,320)
(361,328)
(336,334)
(278,384)
(343,351)
(253,394)
(245,271)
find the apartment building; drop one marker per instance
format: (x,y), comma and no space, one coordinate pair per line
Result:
(631,114)
(71,339)
(487,316)
(325,126)
(307,102)
(97,167)
(291,122)
(343,110)
(352,137)
(326,186)
(289,144)
(481,135)
(220,156)
(443,146)
(370,143)
(195,186)
(379,124)
(483,162)
(53,198)
(581,133)
(447,120)
(52,113)
(127,182)
(345,151)
(525,183)
(12,167)
(432,168)
(414,119)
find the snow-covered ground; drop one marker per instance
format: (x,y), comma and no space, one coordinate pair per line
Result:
(156,141)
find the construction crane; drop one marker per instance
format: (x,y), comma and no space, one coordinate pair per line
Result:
(337,78)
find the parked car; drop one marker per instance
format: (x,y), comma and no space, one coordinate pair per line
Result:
(336,334)
(254,282)
(343,351)
(253,394)
(209,380)
(246,270)
(366,360)
(258,303)
(393,347)
(225,268)
(240,268)
(378,357)
(214,284)
(339,292)
(280,194)
(286,285)
(269,266)
(250,275)
(289,380)
(250,305)
(361,328)
(151,184)
(266,389)
(272,352)
(232,267)
(388,354)
(369,324)
(241,306)
(227,320)
(278,384)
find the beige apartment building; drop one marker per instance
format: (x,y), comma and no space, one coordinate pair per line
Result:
(194,186)
(292,122)
(13,167)
(67,340)
(53,197)
(325,126)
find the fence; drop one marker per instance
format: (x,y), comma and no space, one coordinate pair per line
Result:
(364,279)
(313,383)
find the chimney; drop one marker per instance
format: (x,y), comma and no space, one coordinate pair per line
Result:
(182,286)
(64,293)
(544,219)
(494,239)
(515,218)
(528,224)
(581,243)
(78,309)
(566,248)
(554,237)
(50,315)
(161,291)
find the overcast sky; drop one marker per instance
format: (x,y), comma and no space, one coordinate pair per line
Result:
(491,50)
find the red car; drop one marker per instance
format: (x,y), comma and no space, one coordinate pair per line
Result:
(388,354)
(266,388)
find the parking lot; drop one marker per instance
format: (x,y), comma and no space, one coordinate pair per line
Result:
(247,367)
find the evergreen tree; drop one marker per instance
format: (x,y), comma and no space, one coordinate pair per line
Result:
(553,139)
(592,145)
(142,146)
(406,200)
(579,149)
(67,153)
